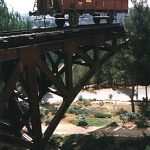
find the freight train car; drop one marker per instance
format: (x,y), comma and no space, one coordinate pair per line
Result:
(99,9)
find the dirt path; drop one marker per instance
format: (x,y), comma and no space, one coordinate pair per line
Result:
(66,128)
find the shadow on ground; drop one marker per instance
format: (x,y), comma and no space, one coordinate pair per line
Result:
(90,142)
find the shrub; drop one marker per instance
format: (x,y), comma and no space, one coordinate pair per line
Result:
(124,118)
(83,102)
(131,116)
(56,140)
(74,110)
(44,112)
(102,115)
(145,109)
(141,122)
(110,96)
(148,147)
(82,121)
(53,109)
(78,111)
(47,120)
(80,98)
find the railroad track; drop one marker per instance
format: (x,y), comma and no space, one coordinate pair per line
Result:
(29,37)
(29,31)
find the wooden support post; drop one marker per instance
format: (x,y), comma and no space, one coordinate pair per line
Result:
(34,107)
(29,57)
(69,48)
(8,89)
(55,121)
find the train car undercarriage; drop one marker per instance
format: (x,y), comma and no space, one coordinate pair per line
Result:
(74,9)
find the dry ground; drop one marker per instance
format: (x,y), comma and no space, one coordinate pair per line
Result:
(128,129)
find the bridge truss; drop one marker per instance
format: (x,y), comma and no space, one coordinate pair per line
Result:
(42,60)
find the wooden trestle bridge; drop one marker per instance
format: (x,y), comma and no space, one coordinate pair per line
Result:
(42,60)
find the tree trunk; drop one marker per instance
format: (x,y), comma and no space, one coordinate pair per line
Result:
(132,99)
(146,94)
(137,93)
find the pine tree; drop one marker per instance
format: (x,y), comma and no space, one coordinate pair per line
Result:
(11,20)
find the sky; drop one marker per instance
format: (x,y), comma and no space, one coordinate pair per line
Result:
(24,6)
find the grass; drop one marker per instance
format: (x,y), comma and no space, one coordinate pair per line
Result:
(91,116)
(102,115)
(91,121)
(98,116)
(88,116)
(99,121)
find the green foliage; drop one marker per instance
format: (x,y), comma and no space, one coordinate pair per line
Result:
(46,120)
(53,109)
(80,142)
(92,142)
(82,102)
(73,110)
(78,111)
(145,109)
(128,116)
(110,96)
(141,122)
(124,118)
(11,20)
(44,112)
(146,112)
(78,72)
(138,29)
(99,121)
(92,121)
(55,141)
(80,98)
(82,121)
(102,115)
(147,148)
(131,116)
(131,65)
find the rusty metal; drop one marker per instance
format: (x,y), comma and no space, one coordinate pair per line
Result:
(99,9)
(27,52)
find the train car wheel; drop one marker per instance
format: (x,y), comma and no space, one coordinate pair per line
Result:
(60,22)
(96,19)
